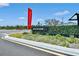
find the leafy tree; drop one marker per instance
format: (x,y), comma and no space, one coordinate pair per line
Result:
(51,22)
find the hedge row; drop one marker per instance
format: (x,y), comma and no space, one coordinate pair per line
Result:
(63,30)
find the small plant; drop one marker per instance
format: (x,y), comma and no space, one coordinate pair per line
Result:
(71,40)
(17,35)
(60,37)
(64,43)
(25,33)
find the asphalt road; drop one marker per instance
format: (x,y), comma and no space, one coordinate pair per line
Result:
(11,49)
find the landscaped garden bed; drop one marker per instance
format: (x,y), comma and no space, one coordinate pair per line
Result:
(55,40)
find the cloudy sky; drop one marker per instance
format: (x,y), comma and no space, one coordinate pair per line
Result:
(16,14)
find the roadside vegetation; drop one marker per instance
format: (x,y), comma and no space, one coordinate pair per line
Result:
(17,35)
(12,27)
(55,40)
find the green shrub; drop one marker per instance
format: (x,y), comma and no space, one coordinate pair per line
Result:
(17,35)
(64,43)
(71,40)
(64,30)
(60,37)
(56,40)
(25,33)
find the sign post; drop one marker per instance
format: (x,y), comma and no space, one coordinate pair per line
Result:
(29,25)
(76,14)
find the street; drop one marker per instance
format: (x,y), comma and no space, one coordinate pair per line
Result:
(11,49)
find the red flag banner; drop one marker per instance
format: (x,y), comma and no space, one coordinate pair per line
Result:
(29,26)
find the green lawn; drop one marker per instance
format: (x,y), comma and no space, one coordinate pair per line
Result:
(55,40)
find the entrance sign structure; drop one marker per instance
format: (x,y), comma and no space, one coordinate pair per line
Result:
(77,16)
(29,25)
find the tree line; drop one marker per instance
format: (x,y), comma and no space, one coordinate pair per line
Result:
(17,27)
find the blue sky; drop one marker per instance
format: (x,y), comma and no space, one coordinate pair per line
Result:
(16,14)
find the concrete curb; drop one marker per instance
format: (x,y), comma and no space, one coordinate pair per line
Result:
(59,50)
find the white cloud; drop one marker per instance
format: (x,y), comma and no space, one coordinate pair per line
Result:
(62,13)
(4,4)
(21,18)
